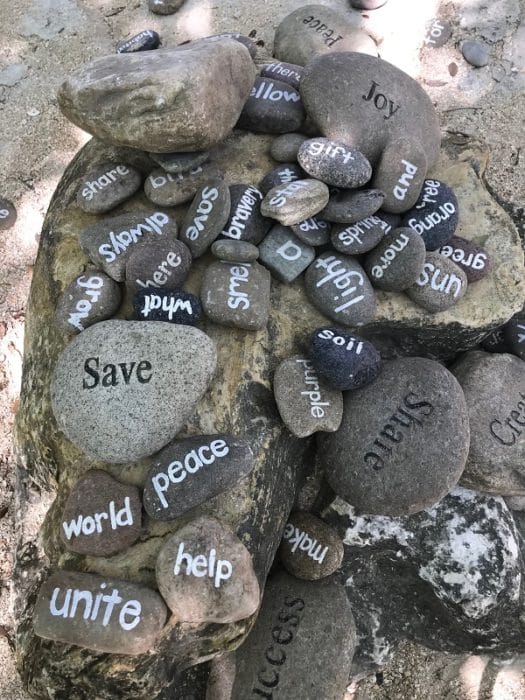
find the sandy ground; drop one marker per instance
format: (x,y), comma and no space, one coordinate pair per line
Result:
(43,40)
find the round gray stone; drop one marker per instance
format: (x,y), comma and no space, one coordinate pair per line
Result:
(397,261)
(163,264)
(292,203)
(168,190)
(89,298)
(7,214)
(235,251)
(358,238)
(334,163)
(206,217)
(313,231)
(440,285)
(284,148)
(349,207)
(107,186)
(476,53)
(310,549)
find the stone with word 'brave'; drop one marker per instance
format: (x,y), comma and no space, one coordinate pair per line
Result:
(147,40)
(440,285)
(206,217)
(310,549)
(349,207)
(246,222)
(435,214)
(121,390)
(358,238)
(285,72)
(472,258)
(400,173)
(334,163)
(397,260)
(235,251)
(284,254)
(287,172)
(296,201)
(162,264)
(285,147)
(86,300)
(313,231)
(180,162)
(272,108)
(106,186)
(168,190)
(169,305)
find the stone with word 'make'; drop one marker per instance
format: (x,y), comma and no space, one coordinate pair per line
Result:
(205,574)
(358,238)
(514,333)
(89,298)
(107,186)
(8,214)
(272,108)
(335,163)
(438,33)
(338,286)
(147,40)
(284,254)
(121,390)
(313,231)
(235,251)
(403,441)
(472,258)
(285,72)
(180,162)
(310,549)
(400,174)
(168,190)
(440,285)
(191,471)
(306,403)
(435,214)
(246,222)
(285,147)
(397,261)
(102,516)
(164,7)
(100,613)
(162,264)
(206,217)
(292,203)
(349,207)
(169,305)
(287,172)
(110,243)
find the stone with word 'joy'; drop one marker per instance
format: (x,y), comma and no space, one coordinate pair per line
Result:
(106,186)
(246,222)
(272,108)
(102,516)
(162,264)
(121,390)
(313,231)
(205,574)
(146,40)
(349,207)
(397,261)
(110,242)
(472,258)
(494,386)
(403,441)
(168,190)
(285,72)
(296,201)
(435,214)
(180,162)
(100,613)
(170,305)
(400,174)
(514,333)
(89,298)
(310,549)
(439,32)
(284,254)
(306,403)
(358,238)
(338,286)
(8,214)
(237,294)
(334,163)
(206,217)
(343,360)
(235,251)
(287,172)
(440,285)
(191,471)
(284,148)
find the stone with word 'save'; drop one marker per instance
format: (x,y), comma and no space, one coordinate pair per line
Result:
(180,162)
(170,305)
(107,186)
(205,574)
(360,237)
(206,217)
(397,260)
(289,73)
(472,258)
(403,441)
(168,190)
(102,516)
(349,207)
(400,174)
(310,549)
(439,32)
(343,360)
(285,147)
(440,285)
(313,231)
(272,108)
(89,298)
(306,403)
(338,287)
(246,222)
(284,254)
(8,214)
(164,7)
(110,242)
(435,214)
(147,40)
(287,172)
(121,390)
(514,333)
(100,613)
(334,163)
(235,251)
(162,264)
(476,53)
(296,201)
(191,471)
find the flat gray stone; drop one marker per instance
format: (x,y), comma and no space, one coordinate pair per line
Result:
(310,549)
(333,162)
(313,231)
(292,203)
(168,190)
(397,261)
(472,258)
(86,300)
(206,217)
(440,285)
(349,207)
(180,162)
(8,214)
(400,174)
(107,186)
(284,148)
(235,251)
(284,254)
(360,237)
(162,264)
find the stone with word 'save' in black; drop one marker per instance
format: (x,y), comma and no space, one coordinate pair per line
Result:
(400,174)
(434,215)
(108,185)
(403,441)
(440,285)
(205,574)
(168,190)
(191,471)
(206,217)
(89,298)
(162,264)
(349,207)
(285,72)
(272,108)
(472,258)
(8,214)
(397,260)
(334,163)
(235,251)
(147,40)
(284,254)
(246,222)
(292,203)
(180,162)
(287,172)
(514,332)
(170,305)
(313,231)
(284,148)
(358,238)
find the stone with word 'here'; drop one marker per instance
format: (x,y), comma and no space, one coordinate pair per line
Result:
(360,237)
(296,201)
(163,264)
(168,190)
(403,441)
(206,217)
(246,222)
(121,390)
(108,185)
(102,516)
(89,298)
(284,173)
(272,108)
(472,258)
(205,574)
(180,162)
(397,260)
(169,305)
(400,173)
(99,613)
(191,471)
(310,549)
(334,163)
(284,254)
(313,231)
(349,206)
(440,285)
(435,214)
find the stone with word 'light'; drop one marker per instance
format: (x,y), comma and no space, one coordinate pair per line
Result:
(168,190)
(296,201)
(360,237)
(440,285)
(272,108)
(435,214)
(246,222)
(169,305)
(397,260)
(284,254)
(349,207)
(310,549)
(107,186)
(206,217)
(89,298)
(163,264)
(334,163)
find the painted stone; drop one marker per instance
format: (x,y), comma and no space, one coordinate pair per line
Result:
(440,285)
(169,305)
(472,258)
(334,163)
(107,186)
(282,175)
(162,264)
(246,222)
(360,237)
(285,72)
(397,261)
(349,207)
(273,107)
(313,231)
(400,174)
(86,300)
(147,40)
(169,190)
(8,214)
(435,214)
(206,217)
(284,254)
(292,203)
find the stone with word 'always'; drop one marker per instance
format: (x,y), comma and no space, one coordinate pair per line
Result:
(306,403)
(146,40)
(110,242)
(472,258)
(434,215)
(162,264)
(514,333)
(285,147)
(191,471)
(99,613)
(7,214)
(287,172)
(349,207)
(334,163)
(205,574)
(310,549)
(400,173)
(440,285)
(121,390)
(102,516)
(358,238)
(313,231)
(292,203)
(86,300)
(403,441)
(246,222)
(439,32)
(272,108)
(107,186)
(284,254)
(397,261)
(235,251)
(180,162)
(170,305)
(168,189)
(206,217)
(285,72)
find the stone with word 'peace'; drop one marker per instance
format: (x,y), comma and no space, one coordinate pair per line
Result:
(106,186)
(146,40)
(403,441)
(334,163)
(89,298)
(397,260)
(514,332)
(287,172)
(284,254)
(313,231)
(296,201)
(121,390)
(435,214)
(440,285)
(284,148)
(206,217)
(168,190)
(360,237)
(400,174)
(285,72)
(180,162)
(169,305)
(162,264)
(246,222)
(472,258)
(235,251)
(8,214)
(191,471)
(205,574)
(349,207)
(310,549)
(272,108)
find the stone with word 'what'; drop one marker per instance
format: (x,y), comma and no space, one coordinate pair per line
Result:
(284,148)
(284,254)
(434,215)
(86,300)
(296,201)
(349,207)
(121,390)
(440,285)
(397,261)
(400,173)
(313,231)
(107,186)
(246,222)
(169,305)
(358,238)
(272,108)
(310,549)
(235,251)
(334,163)
(163,264)
(472,258)
(168,190)
(287,172)
(147,40)
(206,217)
(285,72)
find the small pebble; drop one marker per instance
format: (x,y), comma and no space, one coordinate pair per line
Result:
(206,217)
(358,238)
(475,53)
(439,32)
(164,7)
(471,257)
(146,40)
(163,264)
(435,214)
(8,214)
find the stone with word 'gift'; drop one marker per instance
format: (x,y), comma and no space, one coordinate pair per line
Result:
(514,333)
(358,238)
(284,254)
(285,72)
(296,201)
(397,260)
(107,186)
(284,148)
(310,549)
(206,217)
(205,574)
(246,222)
(434,215)
(147,40)
(334,163)
(89,298)
(313,231)
(400,173)
(287,172)
(440,285)
(349,207)
(168,190)
(162,264)
(472,258)
(235,251)
(272,108)
(121,390)
(180,162)
(169,305)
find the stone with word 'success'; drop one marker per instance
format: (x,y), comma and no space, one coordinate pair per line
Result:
(400,173)
(206,217)
(440,285)
(358,238)
(296,201)
(147,40)
(335,163)
(180,162)
(313,231)
(285,147)
(310,549)
(235,251)
(205,574)
(89,298)
(162,264)
(8,214)
(284,254)
(121,390)
(106,186)
(246,222)
(168,190)
(272,108)
(287,172)
(435,214)
(397,260)
(285,72)
(169,305)
(349,207)
(472,258)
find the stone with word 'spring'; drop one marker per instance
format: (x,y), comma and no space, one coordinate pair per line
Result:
(205,574)
(162,264)
(472,258)
(191,471)
(296,201)
(403,441)
(273,107)
(285,147)
(287,172)
(169,305)
(400,173)
(334,163)
(246,222)
(349,206)
(121,390)
(397,260)
(168,190)
(314,231)
(7,214)
(180,162)
(435,214)
(235,251)
(147,40)
(306,403)
(107,186)
(86,300)
(285,72)
(360,237)
(310,549)
(98,612)
(440,285)
(514,333)
(206,217)
(284,254)
(102,516)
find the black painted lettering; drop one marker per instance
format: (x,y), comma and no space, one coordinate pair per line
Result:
(92,373)
(410,403)
(274,679)
(275,656)
(371,94)
(297,603)
(142,367)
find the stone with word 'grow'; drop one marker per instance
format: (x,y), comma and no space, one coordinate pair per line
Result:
(168,190)
(235,251)
(169,305)
(162,264)
(108,185)
(272,108)
(86,300)
(310,549)
(246,222)
(334,163)
(313,231)
(349,207)
(180,162)
(287,172)
(472,258)
(358,238)
(440,285)
(296,201)
(400,173)
(206,217)
(397,260)
(284,254)
(147,40)
(285,72)
(284,148)
(434,215)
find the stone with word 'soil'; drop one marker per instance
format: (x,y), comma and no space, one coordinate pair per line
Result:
(162,264)
(206,217)
(335,163)
(284,254)
(169,305)
(397,260)
(107,186)
(310,549)
(440,285)
(89,298)
(296,201)
(246,222)
(272,108)
(349,206)
(435,214)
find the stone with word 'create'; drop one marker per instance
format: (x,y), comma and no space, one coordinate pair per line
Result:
(310,549)
(206,217)
(86,300)
(163,264)
(107,186)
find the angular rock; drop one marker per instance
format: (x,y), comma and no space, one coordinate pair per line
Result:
(235,251)
(246,222)
(400,174)
(107,186)
(514,333)
(287,172)
(334,163)
(440,285)
(397,261)
(313,231)
(7,214)
(292,203)
(470,257)
(147,40)
(285,72)
(171,306)
(168,190)
(284,148)
(273,107)
(86,300)
(310,549)
(435,214)
(164,7)
(206,217)
(180,162)
(162,264)
(284,254)
(349,207)
(360,237)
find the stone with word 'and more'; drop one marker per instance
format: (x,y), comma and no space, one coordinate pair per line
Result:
(285,255)
(400,174)
(281,175)
(168,190)
(360,237)
(296,201)
(397,260)
(206,217)
(273,107)
(314,231)
(435,214)
(106,186)
(335,163)
(349,206)
(168,305)
(440,285)
(245,222)
(89,298)
(472,258)
(163,264)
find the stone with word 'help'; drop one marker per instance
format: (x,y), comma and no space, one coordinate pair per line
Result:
(287,172)
(162,264)
(440,285)
(397,260)
(246,222)
(400,173)
(472,258)
(313,231)
(434,215)
(235,251)
(310,549)
(349,207)
(89,298)
(168,190)
(206,217)
(121,390)
(334,163)
(147,40)
(285,147)
(107,186)
(169,305)
(284,254)
(272,108)
(296,201)
(180,162)
(285,72)
(360,237)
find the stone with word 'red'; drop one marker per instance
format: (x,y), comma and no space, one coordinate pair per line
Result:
(89,298)
(169,305)
(397,260)
(400,174)
(310,549)
(121,390)
(162,264)
(206,217)
(306,403)
(180,162)
(205,574)
(147,40)
(100,613)
(338,287)
(360,237)
(472,258)
(8,214)
(168,190)
(287,172)
(313,231)
(289,73)
(296,201)
(494,387)
(102,516)
(273,107)
(440,285)
(335,163)
(403,441)
(343,360)
(284,254)
(435,214)
(107,186)
(235,251)
(285,147)
(110,242)
(349,207)
(191,471)
(237,294)
(514,333)
(246,222)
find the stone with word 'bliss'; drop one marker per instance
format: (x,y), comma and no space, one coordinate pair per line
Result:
(514,333)
(147,40)
(349,207)
(313,231)
(162,264)
(285,147)
(472,258)
(206,217)
(89,298)
(287,172)
(235,251)
(180,162)
(169,305)
(334,163)
(296,201)
(440,285)
(272,108)
(400,174)
(168,190)
(205,574)
(360,237)
(106,186)
(284,254)
(246,222)
(8,214)
(435,214)
(285,72)
(397,260)
(310,549)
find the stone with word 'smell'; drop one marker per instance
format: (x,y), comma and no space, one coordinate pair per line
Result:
(335,163)
(206,217)
(514,333)
(284,254)
(89,298)
(310,549)
(169,305)
(162,264)
(100,613)
(205,574)
(313,231)
(8,214)
(397,260)
(289,73)
(102,516)
(403,441)
(147,40)
(440,285)
(191,471)
(472,258)
(235,251)
(296,201)
(121,390)
(438,33)
(287,172)
(350,206)
(435,214)
(273,107)
(400,174)
(306,403)
(246,222)
(360,237)
(285,147)
(180,162)
(168,190)
(107,186)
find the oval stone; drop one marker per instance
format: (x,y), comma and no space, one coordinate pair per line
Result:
(146,40)
(334,163)
(206,217)
(246,222)
(472,258)
(273,107)
(287,172)
(285,72)
(397,261)
(168,189)
(313,231)
(284,254)
(235,251)
(284,148)
(8,214)
(162,264)
(360,237)
(107,186)
(169,305)
(440,285)
(348,207)
(310,549)
(435,214)
(400,173)
(292,203)
(89,298)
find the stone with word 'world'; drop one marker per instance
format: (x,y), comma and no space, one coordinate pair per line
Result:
(246,222)
(349,207)
(440,285)
(287,172)
(514,332)
(168,190)
(162,264)
(285,72)
(285,147)
(400,174)
(107,186)
(360,237)
(434,215)
(180,162)
(472,258)
(296,201)
(169,305)
(235,251)
(206,216)
(397,260)
(314,231)
(272,108)
(284,254)
(89,298)
(310,549)
(335,163)
(147,40)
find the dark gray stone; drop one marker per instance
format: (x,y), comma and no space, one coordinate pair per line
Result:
(206,217)
(514,332)
(440,285)
(313,231)
(295,202)
(7,214)
(476,53)
(435,214)
(246,222)
(289,73)
(439,32)
(310,549)
(107,186)
(496,341)
(349,207)
(284,254)
(235,251)
(287,172)
(360,237)
(86,300)
(164,7)
(397,261)
(472,258)
(334,163)
(147,40)
(273,107)
(169,305)
(179,162)
(367,4)
(284,148)
(163,264)
(400,173)
(168,190)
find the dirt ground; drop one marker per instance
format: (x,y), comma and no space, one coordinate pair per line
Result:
(43,40)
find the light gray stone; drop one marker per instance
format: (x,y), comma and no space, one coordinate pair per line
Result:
(292,203)
(284,254)
(335,163)
(476,53)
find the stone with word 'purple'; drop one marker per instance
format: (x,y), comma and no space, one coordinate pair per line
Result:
(162,264)
(246,222)
(206,217)
(358,238)
(285,72)
(313,231)
(292,203)
(147,40)
(397,261)
(310,549)
(435,214)
(287,172)
(107,186)
(440,285)
(334,163)
(349,207)
(272,108)
(86,300)
(168,190)
(472,258)
(169,305)
(284,254)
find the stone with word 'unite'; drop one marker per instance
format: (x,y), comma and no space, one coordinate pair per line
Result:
(180,162)
(235,251)
(403,441)
(89,298)
(162,264)
(206,217)
(397,260)
(272,108)
(313,231)
(284,254)
(287,172)
(360,237)
(296,201)
(472,258)
(285,147)
(334,163)
(349,207)
(285,72)
(106,186)
(168,190)
(205,574)
(246,222)
(440,285)
(434,215)
(169,305)
(147,40)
